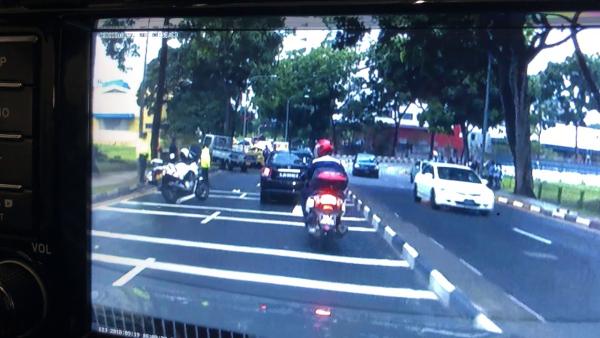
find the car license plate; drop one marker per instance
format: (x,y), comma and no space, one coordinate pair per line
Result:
(288,175)
(327,220)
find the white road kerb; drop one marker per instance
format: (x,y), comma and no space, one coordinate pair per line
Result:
(535,208)
(518,204)
(583,221)
(376,221)
(503,200)
(441,286)
(366,212)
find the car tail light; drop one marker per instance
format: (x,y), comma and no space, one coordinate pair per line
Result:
(322,312)
(266,172)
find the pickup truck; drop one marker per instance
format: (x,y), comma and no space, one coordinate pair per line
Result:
(222,153)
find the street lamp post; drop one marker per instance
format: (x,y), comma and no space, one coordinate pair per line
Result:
(248,93)
(287,118)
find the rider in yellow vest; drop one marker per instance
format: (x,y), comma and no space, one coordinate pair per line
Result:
(205,162)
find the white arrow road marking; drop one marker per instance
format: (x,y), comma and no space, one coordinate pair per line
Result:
(225,218)
(294,213)
(211,217)
(134,272)
(369,290)
(533,236)
(253,250)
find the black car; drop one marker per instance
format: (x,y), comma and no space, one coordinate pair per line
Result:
(305,155)
(281,175)
(365,164)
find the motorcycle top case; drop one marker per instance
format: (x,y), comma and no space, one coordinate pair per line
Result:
(328,178)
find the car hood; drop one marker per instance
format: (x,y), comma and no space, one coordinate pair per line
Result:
(463,187)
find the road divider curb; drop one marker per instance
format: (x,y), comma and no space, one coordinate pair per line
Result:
(366,212)
(448,294)
(560,213)
(376,221)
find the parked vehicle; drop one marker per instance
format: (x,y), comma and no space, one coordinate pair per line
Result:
(180,179)
(453,185)
(281,175)
(222,152)
(365,164)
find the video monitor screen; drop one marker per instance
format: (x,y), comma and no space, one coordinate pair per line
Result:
(391,175)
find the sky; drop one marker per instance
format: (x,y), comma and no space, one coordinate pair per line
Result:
(106,69)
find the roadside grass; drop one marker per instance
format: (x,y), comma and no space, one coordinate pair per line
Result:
(580,197)
(111,158)
(117,152)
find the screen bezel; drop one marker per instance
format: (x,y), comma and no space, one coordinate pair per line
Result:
(73,49)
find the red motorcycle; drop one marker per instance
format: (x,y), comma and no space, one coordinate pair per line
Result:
(326,206)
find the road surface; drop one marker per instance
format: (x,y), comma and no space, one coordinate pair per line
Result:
(192,260)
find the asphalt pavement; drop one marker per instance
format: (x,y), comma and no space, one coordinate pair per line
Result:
(232,243)
(547,267)
(526,271)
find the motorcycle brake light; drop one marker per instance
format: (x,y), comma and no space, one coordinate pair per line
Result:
(328,200)
(331,176)
(266,172)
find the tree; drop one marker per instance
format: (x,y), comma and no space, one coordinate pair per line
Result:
(544,109)
(210,69)
(313,82)
(454,76)
(565,89)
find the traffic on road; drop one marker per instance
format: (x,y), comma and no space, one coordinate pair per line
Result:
(316,183)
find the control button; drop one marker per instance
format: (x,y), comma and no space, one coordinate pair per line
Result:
(16,211)
(16,162)
(16,110)
(23,300)
(16,58)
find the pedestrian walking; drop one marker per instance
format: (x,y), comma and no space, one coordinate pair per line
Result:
(142,150)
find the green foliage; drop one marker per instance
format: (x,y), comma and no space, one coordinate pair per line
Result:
(210,70)
(120,49)
(428,65)
(312,82)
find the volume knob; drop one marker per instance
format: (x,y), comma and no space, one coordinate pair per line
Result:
(23,300)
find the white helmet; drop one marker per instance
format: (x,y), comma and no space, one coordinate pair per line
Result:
(184,154)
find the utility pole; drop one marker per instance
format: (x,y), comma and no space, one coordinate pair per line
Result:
(287,118)
(485,110)
(141,119)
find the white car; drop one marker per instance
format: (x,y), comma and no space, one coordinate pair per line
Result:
(454,186)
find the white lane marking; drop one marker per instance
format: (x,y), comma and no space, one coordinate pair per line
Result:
(481,321)
(185,198)
(471,267)
(234,192)
(150,212)
(518,204)
(503,200)
(254,250)
(535,208)
(533,236)
(583,221)
(526,308)
(225,218)
(243,195)
(540,255)
(134,272)
(234,210)
(213,196)
(211,217)
(436,242)
(369,290)
(297,211)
